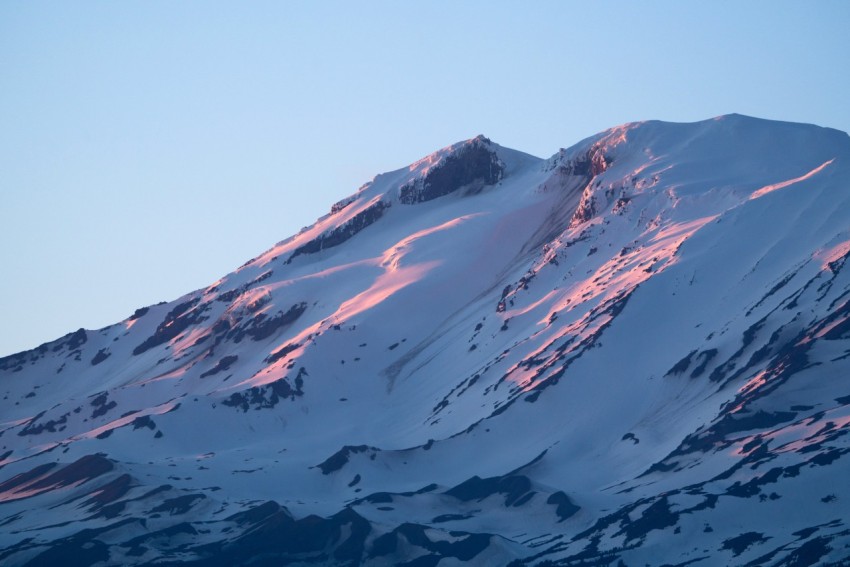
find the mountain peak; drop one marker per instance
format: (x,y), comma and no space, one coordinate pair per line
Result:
(469,165)
(621,349)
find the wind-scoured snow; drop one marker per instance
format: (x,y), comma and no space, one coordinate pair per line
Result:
(634,351)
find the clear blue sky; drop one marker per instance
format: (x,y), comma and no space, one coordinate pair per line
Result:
(147,148)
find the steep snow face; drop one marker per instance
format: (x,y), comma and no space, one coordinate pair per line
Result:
(632,351)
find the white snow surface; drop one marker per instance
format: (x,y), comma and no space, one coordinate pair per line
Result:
(653,325)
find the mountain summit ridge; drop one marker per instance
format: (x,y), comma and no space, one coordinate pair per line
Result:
(630,351)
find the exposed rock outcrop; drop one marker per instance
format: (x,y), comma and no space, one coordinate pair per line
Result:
(473,166)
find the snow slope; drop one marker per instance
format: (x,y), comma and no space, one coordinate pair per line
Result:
(635,351)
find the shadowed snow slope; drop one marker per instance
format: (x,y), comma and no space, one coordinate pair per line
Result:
(635,351)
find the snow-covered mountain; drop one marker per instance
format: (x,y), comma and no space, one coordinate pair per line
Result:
(635,352)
